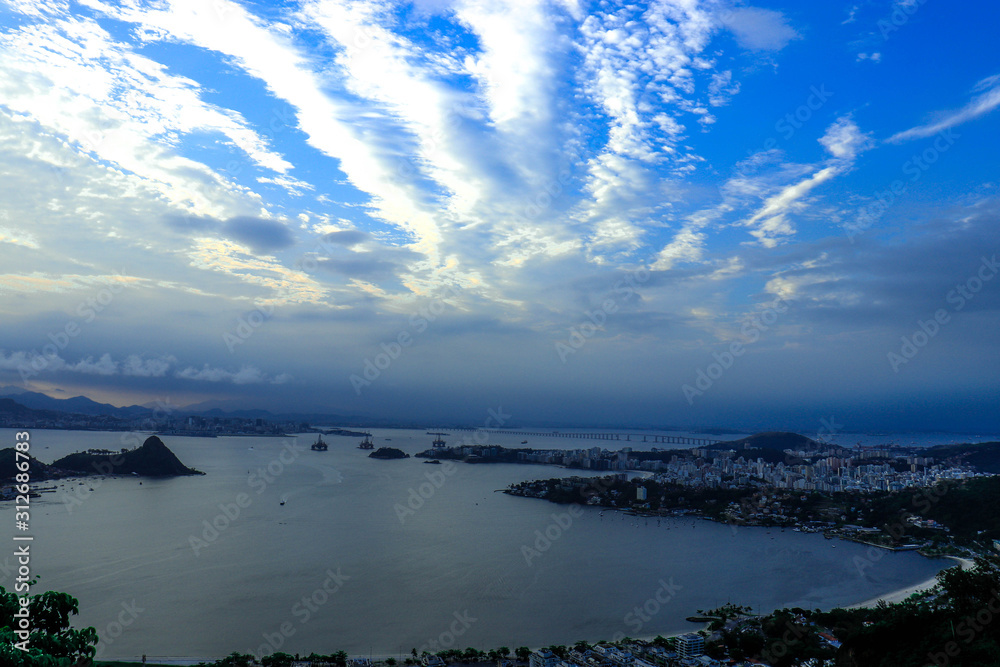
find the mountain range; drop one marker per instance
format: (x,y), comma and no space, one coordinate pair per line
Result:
(81,405)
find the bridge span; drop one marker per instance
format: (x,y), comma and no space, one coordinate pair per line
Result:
(617,437)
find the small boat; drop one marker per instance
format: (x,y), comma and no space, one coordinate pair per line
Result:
(524,442)
(282,501)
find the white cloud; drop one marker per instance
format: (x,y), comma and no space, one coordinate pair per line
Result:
(18,237)
(978,106)
(103,366)
(771,222)
(18,360)
(686,246)
(136,366)
(205,374)
(267,53)
(643,68)
(844,140)
(722,88)
(245,375)
(293,185)
(133,366)
(73,78)
(759,29)
(38,281)
(285,284)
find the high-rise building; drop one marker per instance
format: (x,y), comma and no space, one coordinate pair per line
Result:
(690,645)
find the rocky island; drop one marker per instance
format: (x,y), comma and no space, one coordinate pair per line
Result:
(388,453)
(152,459)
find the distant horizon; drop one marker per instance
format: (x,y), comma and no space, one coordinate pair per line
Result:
(828,426)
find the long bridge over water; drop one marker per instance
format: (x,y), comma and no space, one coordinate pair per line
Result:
(620,437)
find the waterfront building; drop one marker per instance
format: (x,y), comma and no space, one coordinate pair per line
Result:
(690,645)
(542,658)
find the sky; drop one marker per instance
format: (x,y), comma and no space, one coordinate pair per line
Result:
(671,213)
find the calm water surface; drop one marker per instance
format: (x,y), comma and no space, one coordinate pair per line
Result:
(452,571)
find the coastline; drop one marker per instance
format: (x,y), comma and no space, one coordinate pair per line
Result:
(903,593)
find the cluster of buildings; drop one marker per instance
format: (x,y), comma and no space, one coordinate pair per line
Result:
(594,458)
(683,651)
(842,470)
(212,426)
(164,424)
(832,473)
(62,421)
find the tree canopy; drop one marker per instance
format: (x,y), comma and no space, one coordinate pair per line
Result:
(52,641)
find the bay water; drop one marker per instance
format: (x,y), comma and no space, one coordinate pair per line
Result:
(382,556)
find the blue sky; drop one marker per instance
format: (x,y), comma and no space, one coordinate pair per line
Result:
(666,213)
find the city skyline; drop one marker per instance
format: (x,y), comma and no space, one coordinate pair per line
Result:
(668,213)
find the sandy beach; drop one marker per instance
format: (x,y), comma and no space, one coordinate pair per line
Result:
(903,593)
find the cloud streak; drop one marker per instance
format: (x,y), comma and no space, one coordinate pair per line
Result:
(980,105)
